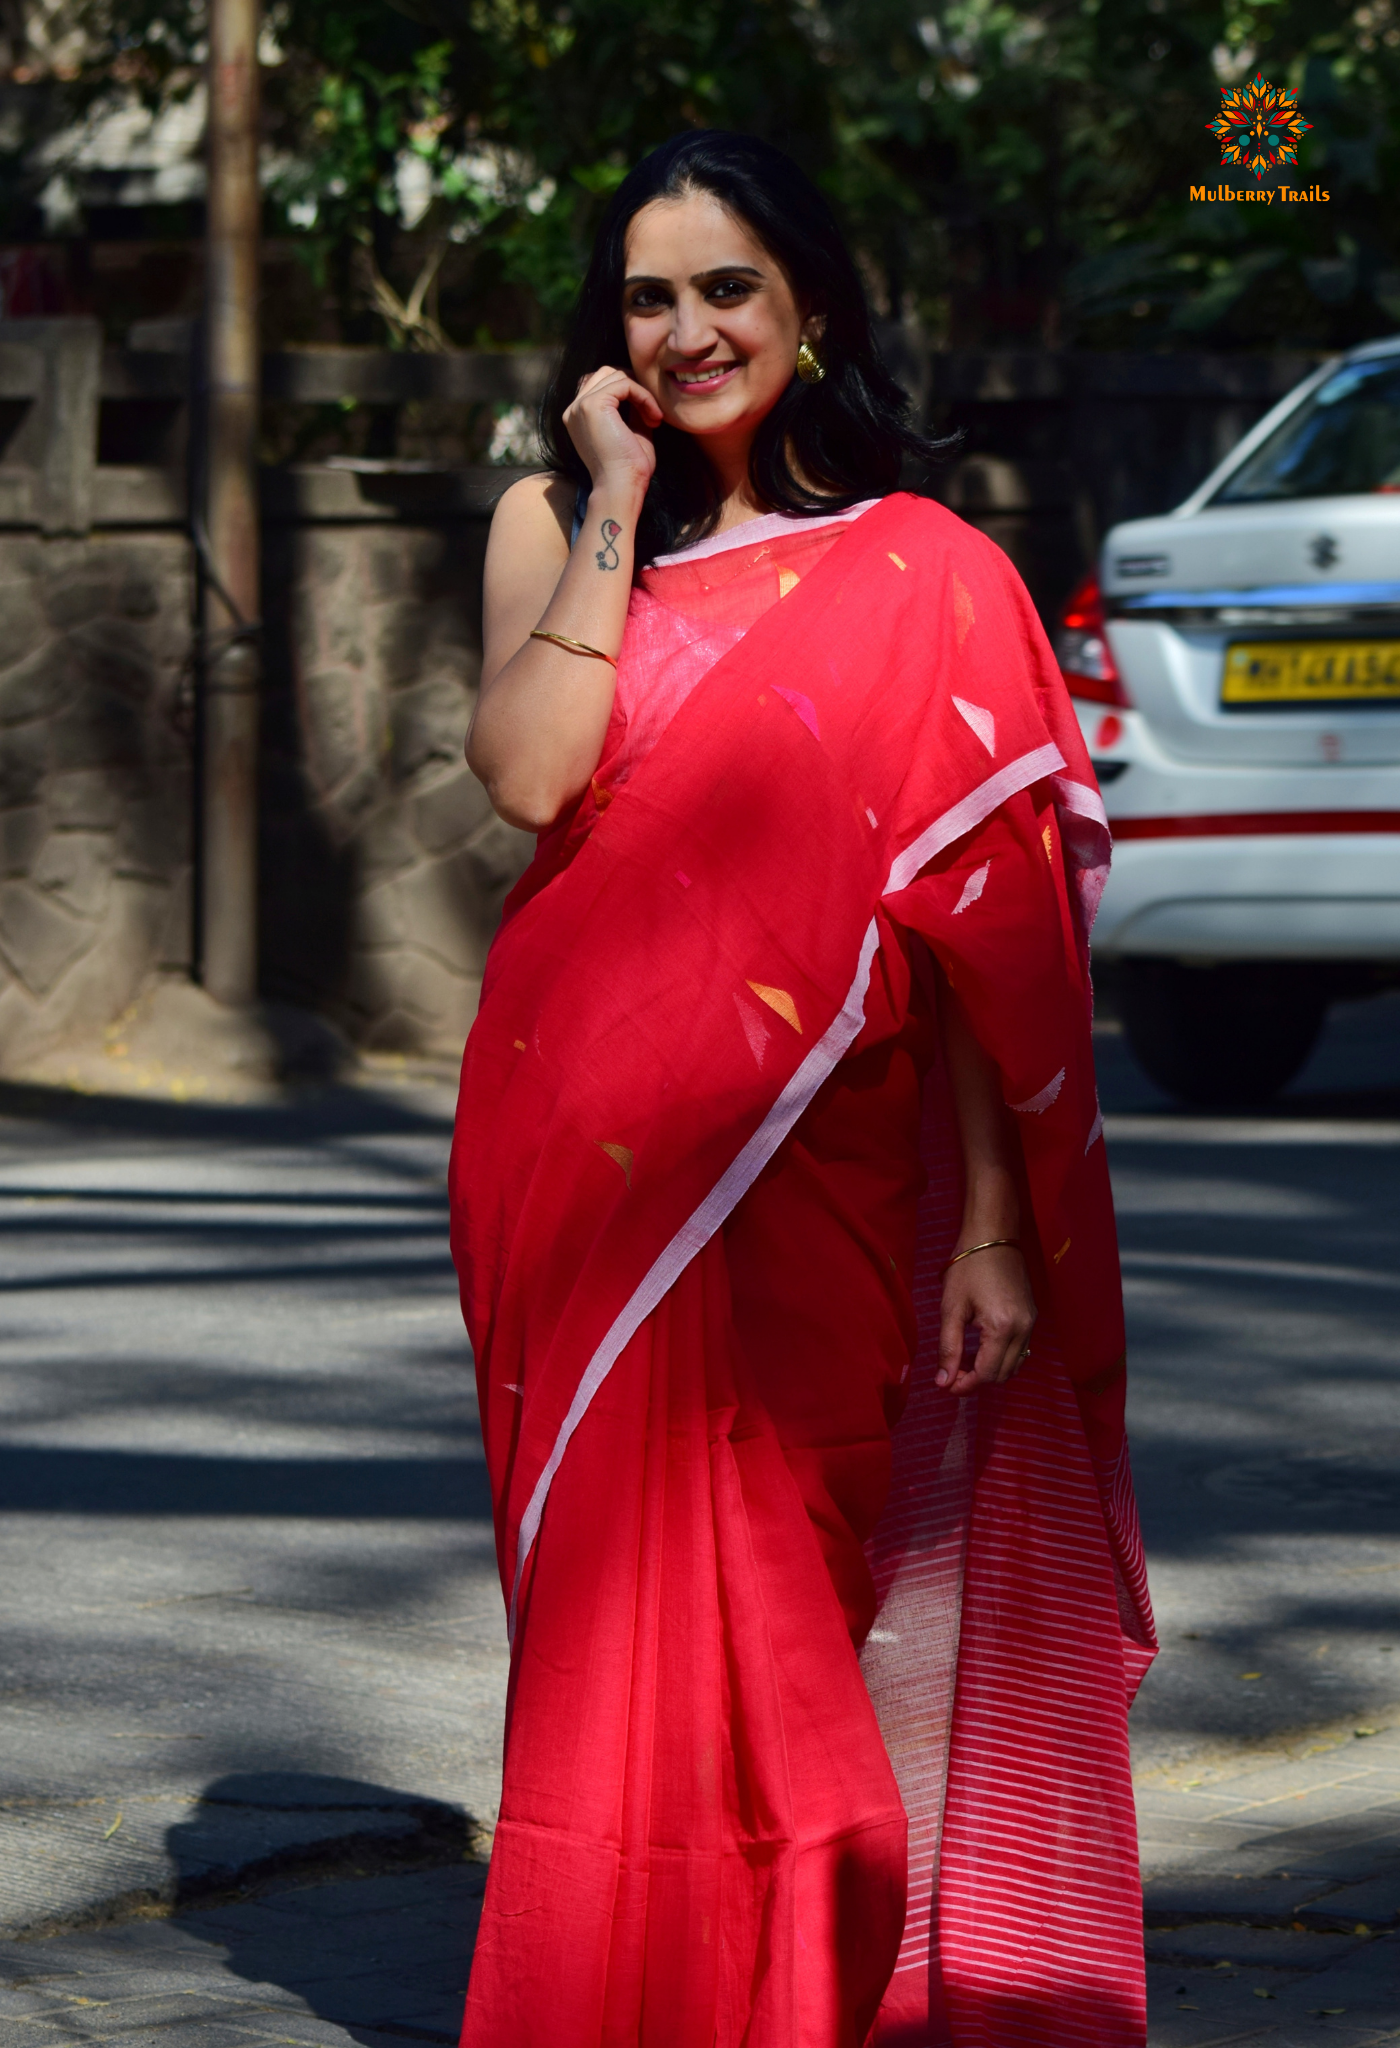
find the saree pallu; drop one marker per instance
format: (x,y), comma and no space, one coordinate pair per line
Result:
(816,1731)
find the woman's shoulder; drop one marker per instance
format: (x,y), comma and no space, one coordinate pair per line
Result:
(536,510)
(948,541)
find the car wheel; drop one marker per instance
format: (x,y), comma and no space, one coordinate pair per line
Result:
(1232,1034)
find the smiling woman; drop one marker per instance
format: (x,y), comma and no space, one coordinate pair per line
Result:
(777,1141)
(751,384)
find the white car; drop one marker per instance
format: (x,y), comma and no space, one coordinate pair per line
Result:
(1236,670)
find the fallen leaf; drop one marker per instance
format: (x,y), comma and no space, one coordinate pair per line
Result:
(1251,1674)
(1224,1966)
(1188,2008)
(1299,1928)
(107,1833)
(1361,1928)
(1260,1992)
(1365,1731)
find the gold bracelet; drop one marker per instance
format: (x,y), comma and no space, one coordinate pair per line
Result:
(574,646)
(985,1246)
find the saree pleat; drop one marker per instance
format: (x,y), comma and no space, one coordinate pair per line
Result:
(697,1796)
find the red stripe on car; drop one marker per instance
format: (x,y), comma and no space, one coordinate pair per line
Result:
(1230,824)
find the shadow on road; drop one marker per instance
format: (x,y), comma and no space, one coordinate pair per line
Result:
(39,1480)
(308,1112)
(356,1900)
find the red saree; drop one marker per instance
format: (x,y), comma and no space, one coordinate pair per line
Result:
(817,1721)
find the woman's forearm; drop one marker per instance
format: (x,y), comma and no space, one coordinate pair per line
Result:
(542,713)
(989,1293)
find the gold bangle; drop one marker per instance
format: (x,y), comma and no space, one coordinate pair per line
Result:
(985,1246)
(574,646)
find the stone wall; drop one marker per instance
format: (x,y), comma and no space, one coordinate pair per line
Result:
(383,865)
(94,780)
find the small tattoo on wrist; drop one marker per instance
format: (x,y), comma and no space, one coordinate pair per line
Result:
(611,531)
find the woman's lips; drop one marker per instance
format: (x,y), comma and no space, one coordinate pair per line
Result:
(704,379)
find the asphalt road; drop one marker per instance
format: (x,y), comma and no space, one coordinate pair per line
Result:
(245,1544)
(250,1624)
(1261,1263)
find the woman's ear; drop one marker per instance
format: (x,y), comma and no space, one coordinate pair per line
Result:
(813,328)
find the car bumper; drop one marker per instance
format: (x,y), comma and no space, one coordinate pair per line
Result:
(1244,864)
(1271,897)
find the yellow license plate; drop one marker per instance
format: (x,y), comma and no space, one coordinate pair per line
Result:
(1311,672)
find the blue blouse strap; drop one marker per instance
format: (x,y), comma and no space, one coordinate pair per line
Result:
(580,507)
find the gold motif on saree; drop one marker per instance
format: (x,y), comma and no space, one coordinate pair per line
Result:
(780,1001)
(964,616)
(623,1154)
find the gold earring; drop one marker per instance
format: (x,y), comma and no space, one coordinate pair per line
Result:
(810,367)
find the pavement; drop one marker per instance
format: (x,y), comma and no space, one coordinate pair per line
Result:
(252,1665)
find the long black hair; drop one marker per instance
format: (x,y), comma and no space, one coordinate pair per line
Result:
(823,446)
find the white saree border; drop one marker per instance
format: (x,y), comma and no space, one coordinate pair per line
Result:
(735,1182)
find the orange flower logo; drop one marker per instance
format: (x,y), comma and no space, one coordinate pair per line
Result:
(1259,126)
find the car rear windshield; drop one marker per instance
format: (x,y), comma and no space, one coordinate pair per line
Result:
(1345,438)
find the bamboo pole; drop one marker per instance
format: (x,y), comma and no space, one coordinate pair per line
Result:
(230,540)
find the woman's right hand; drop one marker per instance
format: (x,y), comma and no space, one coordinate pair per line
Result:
(619,456)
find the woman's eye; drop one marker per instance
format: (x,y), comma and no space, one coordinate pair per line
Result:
(728,291)
(648,301)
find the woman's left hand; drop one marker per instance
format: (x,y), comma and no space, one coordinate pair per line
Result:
(991,1289)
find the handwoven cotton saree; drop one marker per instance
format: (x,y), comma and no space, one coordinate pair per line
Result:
(816,1731)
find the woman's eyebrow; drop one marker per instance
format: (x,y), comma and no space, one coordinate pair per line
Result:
(701,276)
(726,270)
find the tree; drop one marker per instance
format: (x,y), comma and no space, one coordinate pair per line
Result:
(1009,173)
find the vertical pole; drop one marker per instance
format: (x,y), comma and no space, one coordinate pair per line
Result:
(228,852)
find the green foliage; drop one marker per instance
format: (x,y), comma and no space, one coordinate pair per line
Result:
(1012,173)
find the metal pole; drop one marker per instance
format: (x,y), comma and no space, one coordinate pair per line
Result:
(229,541)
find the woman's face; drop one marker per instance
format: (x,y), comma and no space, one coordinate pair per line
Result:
(711,321)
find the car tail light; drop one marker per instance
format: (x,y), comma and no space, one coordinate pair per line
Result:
(1082,649)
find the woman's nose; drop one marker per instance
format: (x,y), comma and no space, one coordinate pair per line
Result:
(693,330)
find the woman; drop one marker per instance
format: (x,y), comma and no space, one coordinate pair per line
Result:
(800,1353)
